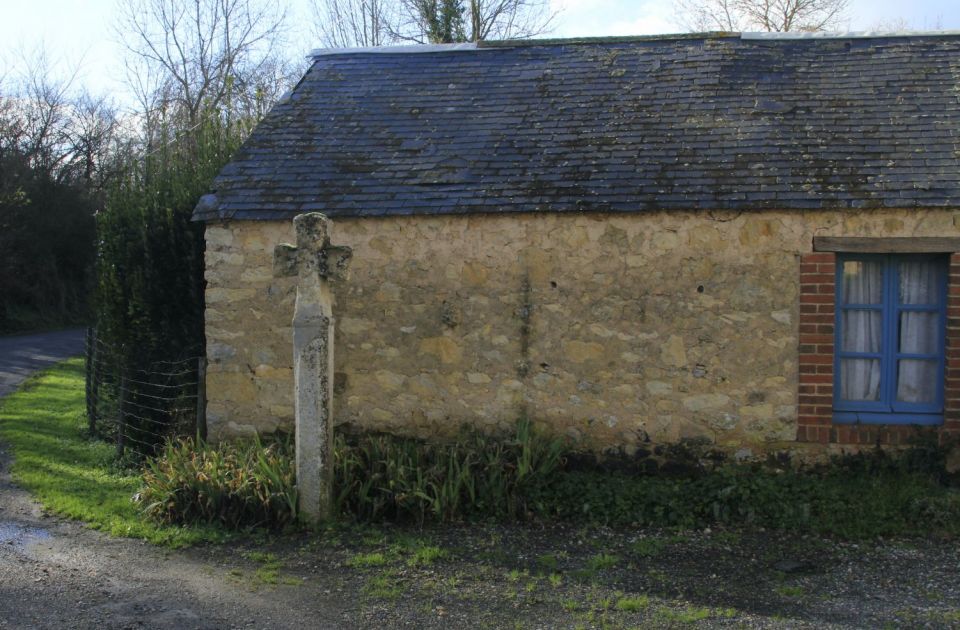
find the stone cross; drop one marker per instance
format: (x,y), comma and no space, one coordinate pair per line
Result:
(314,261)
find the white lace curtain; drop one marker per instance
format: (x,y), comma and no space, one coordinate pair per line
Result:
(919,332)
(861,331)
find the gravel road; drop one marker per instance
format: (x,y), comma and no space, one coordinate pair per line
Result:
(22,355)
(57,574)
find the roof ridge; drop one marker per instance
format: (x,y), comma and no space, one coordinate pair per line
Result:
(625,39)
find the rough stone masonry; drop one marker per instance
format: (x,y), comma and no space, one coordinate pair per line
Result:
(619,330)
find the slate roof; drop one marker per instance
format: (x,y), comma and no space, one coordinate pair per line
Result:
(622,125)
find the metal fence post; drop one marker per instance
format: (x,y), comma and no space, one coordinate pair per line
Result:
(122,417)
(202,397)
(89,375)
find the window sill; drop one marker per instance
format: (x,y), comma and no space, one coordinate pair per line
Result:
(860,417)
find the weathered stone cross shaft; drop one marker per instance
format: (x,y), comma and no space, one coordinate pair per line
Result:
(315,262)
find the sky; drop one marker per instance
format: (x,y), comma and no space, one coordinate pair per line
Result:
(79,34)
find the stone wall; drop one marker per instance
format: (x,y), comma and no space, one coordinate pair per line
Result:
(617,330)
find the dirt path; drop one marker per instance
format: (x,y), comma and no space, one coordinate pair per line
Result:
(23,355)
(57,574)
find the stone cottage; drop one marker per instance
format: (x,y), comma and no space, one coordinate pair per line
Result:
(748,240)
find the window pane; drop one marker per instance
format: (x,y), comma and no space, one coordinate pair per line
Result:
(860,379)
(919,332)
(917,381)
(919,282)
(861,331)
(862,282)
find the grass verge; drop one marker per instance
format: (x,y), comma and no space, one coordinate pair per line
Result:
(43,424)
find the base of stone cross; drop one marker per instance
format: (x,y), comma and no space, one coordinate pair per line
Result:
(313,384)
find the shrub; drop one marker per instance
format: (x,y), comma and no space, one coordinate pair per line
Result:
(834,500)
(149,302)
(383,477)
(231,484)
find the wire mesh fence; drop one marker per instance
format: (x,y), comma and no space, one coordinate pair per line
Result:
(138,403)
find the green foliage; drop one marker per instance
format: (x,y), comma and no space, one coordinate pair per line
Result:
(648,547)
(836,500)
(382,477)
(688,615)
(235,485)
(547,562)
(57,147)
(633,604)
(150,285)
(384,586)
(442,21)
(787,590)
(602,561)
(367,560)
(70,474)
(46,244)
(150,254)
(426,555)
(268,572)
(926,456)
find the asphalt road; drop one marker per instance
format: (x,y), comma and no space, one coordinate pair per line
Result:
(23,355)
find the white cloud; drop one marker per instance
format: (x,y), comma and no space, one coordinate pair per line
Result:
(602,18)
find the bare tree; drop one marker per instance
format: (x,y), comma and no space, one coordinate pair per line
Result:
(38,116)
(349,23)
(197,54)
(509,19)
(94,139)
(56,150)
(762,15)
(353,23)
(48,127)
(903,24)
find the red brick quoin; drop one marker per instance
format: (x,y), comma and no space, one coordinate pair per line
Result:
(815,400)
(817,297)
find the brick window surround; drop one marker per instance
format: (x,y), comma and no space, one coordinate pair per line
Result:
(816,346)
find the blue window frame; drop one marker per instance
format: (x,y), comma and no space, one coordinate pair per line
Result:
(890,339)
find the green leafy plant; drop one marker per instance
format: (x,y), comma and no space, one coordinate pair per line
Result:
(547,563)
(602,561)
(648,547)
(426,555)
(236,485)
(384,586)
(365,560)
(851,500)
(633,604)
(384,477)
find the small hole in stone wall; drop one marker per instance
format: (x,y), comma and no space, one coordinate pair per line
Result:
(544,366)
(553,284)
(700,288)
